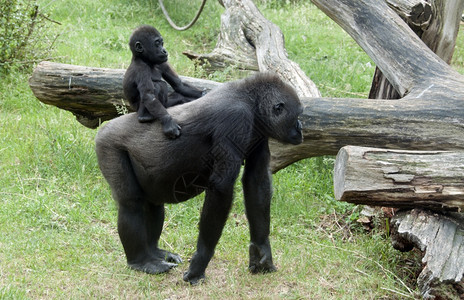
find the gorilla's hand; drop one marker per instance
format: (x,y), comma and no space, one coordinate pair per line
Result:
(194,279)
(196,272)
(170,128)
(261,259)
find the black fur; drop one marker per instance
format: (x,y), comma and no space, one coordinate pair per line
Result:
(143,87)
(221,131)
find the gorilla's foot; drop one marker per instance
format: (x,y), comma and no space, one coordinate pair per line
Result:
(261,259)
(173,257)
(146,118)
(194,279)
(153,267)
(167,256)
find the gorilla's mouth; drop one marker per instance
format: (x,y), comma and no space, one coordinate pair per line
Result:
(163,58)
(297,135)
(296,140)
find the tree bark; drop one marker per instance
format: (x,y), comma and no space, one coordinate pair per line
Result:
(441,238)
(400,178)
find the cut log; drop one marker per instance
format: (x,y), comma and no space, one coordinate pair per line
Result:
(441,238)
(400,178)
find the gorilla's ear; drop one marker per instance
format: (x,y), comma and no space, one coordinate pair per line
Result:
(138,47)
(278,108)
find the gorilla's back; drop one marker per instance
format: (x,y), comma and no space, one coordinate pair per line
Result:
(156,161)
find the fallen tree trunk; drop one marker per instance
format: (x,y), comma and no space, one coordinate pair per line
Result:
(93,95)
(329,124)
(441,238)
(400,178)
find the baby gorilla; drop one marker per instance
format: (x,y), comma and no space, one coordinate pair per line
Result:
(143,87)
(228,127)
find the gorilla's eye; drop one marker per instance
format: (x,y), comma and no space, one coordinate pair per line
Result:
(278,108)
(159,42)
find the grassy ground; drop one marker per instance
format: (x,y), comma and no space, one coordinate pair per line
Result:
(58,234)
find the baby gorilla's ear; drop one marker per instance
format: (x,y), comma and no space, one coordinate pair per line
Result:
(138,47)
(278,108)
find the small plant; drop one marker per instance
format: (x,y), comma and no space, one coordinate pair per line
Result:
(23,34)
(121,108)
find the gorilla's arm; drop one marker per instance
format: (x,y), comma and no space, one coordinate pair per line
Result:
(147,91)
(218,201)
(173,79)
(257,189)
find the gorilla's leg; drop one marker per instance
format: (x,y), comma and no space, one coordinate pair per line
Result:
(154,218)
(131,216)
(257,189)
(216,207)
(144,115)
(176,98)
(133,235)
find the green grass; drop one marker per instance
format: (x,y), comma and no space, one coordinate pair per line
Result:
(58,235)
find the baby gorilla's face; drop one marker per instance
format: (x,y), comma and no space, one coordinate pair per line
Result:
(157,54)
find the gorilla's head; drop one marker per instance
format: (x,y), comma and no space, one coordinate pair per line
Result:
(147,43)
(278,108)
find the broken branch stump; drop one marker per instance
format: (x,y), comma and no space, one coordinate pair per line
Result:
(249,41)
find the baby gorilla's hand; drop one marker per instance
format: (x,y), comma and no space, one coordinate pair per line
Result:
(171,129)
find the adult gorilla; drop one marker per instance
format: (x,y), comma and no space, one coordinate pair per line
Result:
(221,131)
